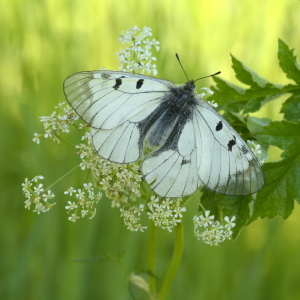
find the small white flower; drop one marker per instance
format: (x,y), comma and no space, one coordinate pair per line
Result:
(257,151)
(73,218)
(84,213)
(212,103)
(206,219)
(36,178)
(27,184)
(80,194)
(70,191)
(207,90)
(178,210)
(48,196)
(38,189)
(37,137)
(71,206)
(88,186)
(230,223)
(154,202)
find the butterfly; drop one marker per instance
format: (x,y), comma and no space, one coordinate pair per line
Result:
(188,143)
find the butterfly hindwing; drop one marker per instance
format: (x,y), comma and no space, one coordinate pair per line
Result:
(171,170)
(121,144)
(207,152)
(225,162)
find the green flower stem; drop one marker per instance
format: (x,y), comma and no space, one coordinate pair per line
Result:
(59,179)
(175,263)
(63,140)
(151,257)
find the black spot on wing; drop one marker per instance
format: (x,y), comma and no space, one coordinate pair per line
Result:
(139,83)
(219,126)
(185,161)
(244,150)
(231,143)
(118,83)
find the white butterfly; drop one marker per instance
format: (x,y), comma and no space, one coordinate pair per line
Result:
(190,143)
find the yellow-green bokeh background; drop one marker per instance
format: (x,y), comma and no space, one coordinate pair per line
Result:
(41,43)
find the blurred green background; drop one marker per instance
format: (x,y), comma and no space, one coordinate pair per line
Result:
(43,42)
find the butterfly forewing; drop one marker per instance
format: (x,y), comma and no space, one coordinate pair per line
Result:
(192,144)
(106,99)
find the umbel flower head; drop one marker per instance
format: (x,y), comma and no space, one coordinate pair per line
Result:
(137,57)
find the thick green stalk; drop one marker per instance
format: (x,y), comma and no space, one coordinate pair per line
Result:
(175,263)
(151,257)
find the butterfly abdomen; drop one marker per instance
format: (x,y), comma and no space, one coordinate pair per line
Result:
(170,116)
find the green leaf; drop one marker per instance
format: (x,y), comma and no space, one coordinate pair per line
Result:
(282,134)
(291,108)
(227,94)
(288,62)
(246,75)
(282,177)
(253,105)
(234,98)
(280,190)
(256,125)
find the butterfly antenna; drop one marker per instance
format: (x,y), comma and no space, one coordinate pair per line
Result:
(208,76)
(177,56)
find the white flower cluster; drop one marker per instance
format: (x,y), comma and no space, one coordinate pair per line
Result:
(37,195)
(137,58)
(120,182)
(214,232)
(132,217)
(165,212)
(85,201)
(257,151)
(57,123)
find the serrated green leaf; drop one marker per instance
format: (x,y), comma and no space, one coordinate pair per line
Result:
(236,118)
(256,125)
(291,108)
(233,107)
(225,92)
(246,75)
(280,190)
(288,61)
(228,96)
(283,177)
(253,105)
(233,98)
(282,134)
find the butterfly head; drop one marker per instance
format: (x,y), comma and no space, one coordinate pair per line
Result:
(191,85)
